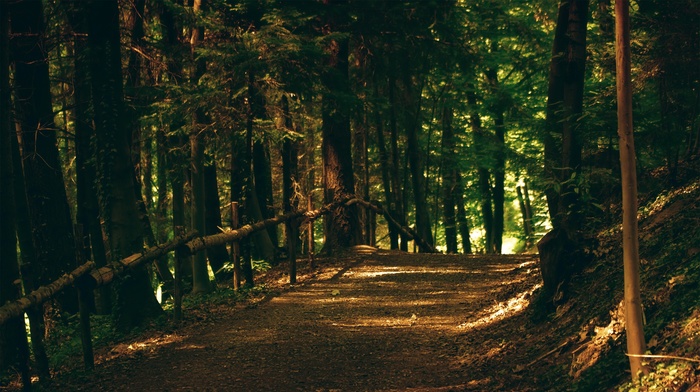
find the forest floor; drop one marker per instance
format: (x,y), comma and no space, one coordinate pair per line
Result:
(381,322)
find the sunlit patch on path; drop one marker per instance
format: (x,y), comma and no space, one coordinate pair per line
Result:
(383,322)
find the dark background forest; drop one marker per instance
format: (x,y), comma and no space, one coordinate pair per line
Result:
(478,125)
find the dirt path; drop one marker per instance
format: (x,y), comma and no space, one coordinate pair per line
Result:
(382,323)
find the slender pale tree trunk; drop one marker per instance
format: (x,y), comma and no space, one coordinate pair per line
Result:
(636,345)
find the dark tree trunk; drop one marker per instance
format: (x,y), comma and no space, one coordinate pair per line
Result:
(384,166)
(52,228)
(87,213)
(200,271)
(135,300)
(14,349)
(499,170)
(218,255)
(559,249)
(290,179)
(562,141)
(449,179)
(413,124)
(29,257)
(527,223)
(462,221)
(397,210)
(341,225)
(252,208)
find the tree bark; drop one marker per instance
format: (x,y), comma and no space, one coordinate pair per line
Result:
(634,323)
(14,348)
(342,228)
(413,124)
(217,255)
(499,170)
(398,210)
(87,213)
(52,228)
(135,300)
(462,221)
(384,166)
(449,178)
(562,141)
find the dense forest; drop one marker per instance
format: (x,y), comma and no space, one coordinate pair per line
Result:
(479,126)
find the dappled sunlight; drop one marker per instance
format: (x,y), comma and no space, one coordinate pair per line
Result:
(502,310)
(147,346)
(594,341)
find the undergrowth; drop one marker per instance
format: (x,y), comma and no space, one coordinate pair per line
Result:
(670,272)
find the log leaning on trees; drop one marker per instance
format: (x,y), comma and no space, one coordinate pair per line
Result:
(107,273)
(42,294)
(86,276)
(227,236)
(405,231)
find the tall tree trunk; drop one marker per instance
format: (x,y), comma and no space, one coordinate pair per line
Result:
(341,225)
(634,324)
(462,221)
(290,177)
(217,255)
(52,228)
(29,262)
(384,166)
(499,171)
(253,208)
(413,125)
(14,349)
(88,211)
(449,178)
(135,300)
(562,142)
(527,223)
(200,272)
(399,209)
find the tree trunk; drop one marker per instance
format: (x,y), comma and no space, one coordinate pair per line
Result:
(289,182)
(527,228)
(499,170)
(135,300)
(87,213)
(217,255)
(449,178)
(384,166)
(14,349)
(200,271)
(341,225)
(564,106)
(52,228)
(634,323)
(397,210)
(462,221)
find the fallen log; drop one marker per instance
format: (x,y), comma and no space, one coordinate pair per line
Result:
(42,294)
(405,231)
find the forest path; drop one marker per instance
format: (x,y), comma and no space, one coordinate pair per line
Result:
(382,322)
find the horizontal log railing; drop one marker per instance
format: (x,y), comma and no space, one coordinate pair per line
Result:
(87,276)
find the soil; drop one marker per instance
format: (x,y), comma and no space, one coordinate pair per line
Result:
(381,322)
